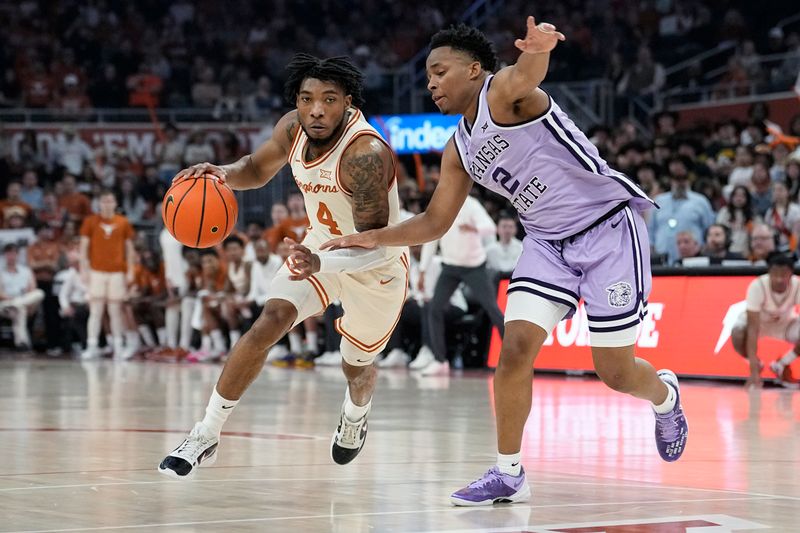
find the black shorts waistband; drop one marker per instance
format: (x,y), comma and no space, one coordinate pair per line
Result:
(599,221)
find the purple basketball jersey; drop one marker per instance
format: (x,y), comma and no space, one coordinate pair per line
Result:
(546,167)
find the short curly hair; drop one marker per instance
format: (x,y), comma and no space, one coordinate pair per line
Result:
(338,70)
(470,40)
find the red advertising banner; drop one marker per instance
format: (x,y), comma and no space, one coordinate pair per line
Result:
(687,329)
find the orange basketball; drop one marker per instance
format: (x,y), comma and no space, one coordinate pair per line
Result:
(200,212)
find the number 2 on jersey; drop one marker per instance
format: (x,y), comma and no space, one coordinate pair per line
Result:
(325,217)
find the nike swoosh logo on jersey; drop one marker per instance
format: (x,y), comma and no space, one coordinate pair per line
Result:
(385,281)
(617,224)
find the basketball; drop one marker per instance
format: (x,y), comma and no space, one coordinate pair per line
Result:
(199,212)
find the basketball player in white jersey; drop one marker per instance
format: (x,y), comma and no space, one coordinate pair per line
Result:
(771,312)
(346,173)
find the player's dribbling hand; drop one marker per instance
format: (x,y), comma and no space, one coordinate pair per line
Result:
(195,171)
(366,239)
(302,262)
(540,38)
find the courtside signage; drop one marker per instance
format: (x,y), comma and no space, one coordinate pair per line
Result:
(414,134)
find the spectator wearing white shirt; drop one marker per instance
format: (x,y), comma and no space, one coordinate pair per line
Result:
(502,256)
(71,152)
(19,297)
(180,306)
(73,304)
(262,272)
(463,261)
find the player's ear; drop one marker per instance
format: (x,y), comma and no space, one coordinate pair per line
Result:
(348,100)
(475,70)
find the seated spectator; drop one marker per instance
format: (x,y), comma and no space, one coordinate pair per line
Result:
(738,215)
(681,209)
(762,189)
(74,306)
(169,153)
(278,213)
(262,272)
(148,298)
(236,306)
(502,256)
(31,193)
(762,242)
(688,247)
(71,98)
(71,152)
(13,205)
(144,87)
(254,232)
(198,149)
(208,311)
(44,258)
(784,217)
(19,297)
(294,227)
(132,204)
(206,91)
(718,242)
(77,205)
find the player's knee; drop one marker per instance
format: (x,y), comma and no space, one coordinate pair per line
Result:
(275,321)
(516,355)
(617,379)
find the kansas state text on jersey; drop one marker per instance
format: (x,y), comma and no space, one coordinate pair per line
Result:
(546,167)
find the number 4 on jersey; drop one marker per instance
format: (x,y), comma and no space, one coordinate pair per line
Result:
(325,217)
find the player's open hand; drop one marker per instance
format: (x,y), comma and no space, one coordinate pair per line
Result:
(195,171)
(302,262)
(540,38)
(366,239)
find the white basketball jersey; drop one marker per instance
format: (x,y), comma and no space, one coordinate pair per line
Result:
(330,205)
(773,307)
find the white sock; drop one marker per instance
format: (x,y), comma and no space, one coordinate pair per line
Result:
(510,464)
(217,340)
(788,357)
(132,339)
(312,341)
(669,403)
(295,343)
(217,412)
(147,335)
(161,333)
(205,343)
(234,335)
(352,411)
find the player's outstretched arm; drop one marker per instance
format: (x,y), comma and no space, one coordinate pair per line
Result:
(253,170)
(450,194)
(518,81)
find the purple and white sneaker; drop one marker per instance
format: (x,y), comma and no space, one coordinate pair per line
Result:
(493,487)
(671,428)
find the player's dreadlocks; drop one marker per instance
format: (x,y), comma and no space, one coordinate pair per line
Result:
(339,70)
(470,40)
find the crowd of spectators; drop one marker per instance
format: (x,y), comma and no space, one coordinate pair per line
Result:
(73,56)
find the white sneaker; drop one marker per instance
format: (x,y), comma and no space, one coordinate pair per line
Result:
(91,352)
(278,351)
(197,448)
(348,439)
(423,359)
(436,368)
(396,357)
(329,359)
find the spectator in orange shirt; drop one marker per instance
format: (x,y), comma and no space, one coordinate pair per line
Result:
(13,204)
(208,312)
(44,257)
(278,214)
(296,225)
(77,204)
(148,298)
(144,87)
(106,254)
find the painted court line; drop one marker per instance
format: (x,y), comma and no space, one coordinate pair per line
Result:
(387,513)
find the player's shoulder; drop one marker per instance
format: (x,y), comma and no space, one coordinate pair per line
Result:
(287,127)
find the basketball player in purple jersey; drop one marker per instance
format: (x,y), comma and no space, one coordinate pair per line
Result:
(585,236)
